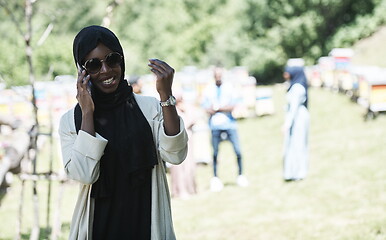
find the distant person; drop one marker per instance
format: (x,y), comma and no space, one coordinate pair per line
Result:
(183,176)
(219,101)
(296,125)
(114,143)
(136,83)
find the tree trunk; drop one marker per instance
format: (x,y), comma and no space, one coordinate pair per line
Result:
(109,12)
(28,35)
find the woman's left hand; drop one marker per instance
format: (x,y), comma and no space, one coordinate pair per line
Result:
(164,77)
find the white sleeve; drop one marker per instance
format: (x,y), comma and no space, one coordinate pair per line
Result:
(173,149)
(81,152)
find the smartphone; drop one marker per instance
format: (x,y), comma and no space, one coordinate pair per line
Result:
(89,84)
(80,68)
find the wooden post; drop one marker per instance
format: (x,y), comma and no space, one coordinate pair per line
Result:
(50,171)
(19,219)
(57,224)
(27,37)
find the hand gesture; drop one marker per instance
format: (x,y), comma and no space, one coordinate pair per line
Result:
(164,77)
(83,93)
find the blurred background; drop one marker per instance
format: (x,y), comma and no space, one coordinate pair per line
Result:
(341,43)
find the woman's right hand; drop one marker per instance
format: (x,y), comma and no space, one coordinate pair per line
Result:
(83,94)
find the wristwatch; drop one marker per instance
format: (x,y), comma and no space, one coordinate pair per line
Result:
(170,102)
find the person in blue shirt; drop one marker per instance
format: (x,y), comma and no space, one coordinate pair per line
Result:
(219,102)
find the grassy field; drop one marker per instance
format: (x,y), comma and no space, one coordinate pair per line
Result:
(343,197)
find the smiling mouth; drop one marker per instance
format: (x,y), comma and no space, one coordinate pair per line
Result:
(108,81)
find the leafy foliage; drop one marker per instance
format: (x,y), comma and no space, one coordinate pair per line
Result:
(259,34)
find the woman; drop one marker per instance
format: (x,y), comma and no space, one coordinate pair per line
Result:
(114,143)
(296,125)
(183,176)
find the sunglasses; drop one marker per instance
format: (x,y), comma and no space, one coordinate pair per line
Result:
(94,65)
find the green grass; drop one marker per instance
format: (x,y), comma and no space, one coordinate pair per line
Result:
(343,197)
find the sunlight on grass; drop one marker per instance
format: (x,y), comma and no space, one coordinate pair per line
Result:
(344,189)
(343,197)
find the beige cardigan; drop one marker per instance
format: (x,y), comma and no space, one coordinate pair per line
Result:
(81,154)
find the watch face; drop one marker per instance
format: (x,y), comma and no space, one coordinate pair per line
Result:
(172,100)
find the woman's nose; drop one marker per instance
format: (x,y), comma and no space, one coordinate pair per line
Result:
(105,67)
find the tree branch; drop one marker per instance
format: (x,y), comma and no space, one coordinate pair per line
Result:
(45,34)
(13,18)
(109,12)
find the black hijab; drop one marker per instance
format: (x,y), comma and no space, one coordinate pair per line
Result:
(117,118)
(297,75)
(122,192)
